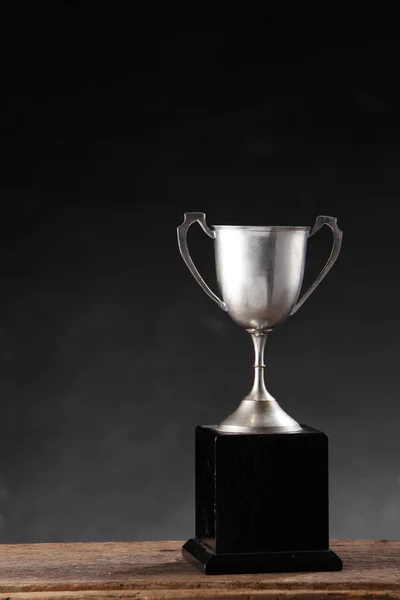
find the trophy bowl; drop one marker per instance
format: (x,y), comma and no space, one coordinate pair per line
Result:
(259,273)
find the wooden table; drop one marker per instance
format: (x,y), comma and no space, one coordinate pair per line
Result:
(155,570)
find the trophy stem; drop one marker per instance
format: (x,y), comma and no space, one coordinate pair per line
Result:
(259,412)
(259,391)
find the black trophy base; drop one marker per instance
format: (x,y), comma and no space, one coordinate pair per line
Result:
(210,563)
(261,503)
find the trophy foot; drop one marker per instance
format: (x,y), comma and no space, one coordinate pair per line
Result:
(211,563)
(259,412)
(259,416)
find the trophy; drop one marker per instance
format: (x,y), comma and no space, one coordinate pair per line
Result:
(261,478)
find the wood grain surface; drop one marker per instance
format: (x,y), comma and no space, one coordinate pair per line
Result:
(156,570)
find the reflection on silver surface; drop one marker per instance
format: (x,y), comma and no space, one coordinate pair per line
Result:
(259,272)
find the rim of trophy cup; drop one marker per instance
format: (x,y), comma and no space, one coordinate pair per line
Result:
(264,227)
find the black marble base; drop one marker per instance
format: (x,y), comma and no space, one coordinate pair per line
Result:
(210,563)
(261,502)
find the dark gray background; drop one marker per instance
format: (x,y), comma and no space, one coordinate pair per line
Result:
(110,354)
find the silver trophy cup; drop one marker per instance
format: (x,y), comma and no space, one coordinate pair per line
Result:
(260,274)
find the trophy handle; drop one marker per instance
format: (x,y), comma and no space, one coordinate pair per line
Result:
(337,242)
(189,219)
